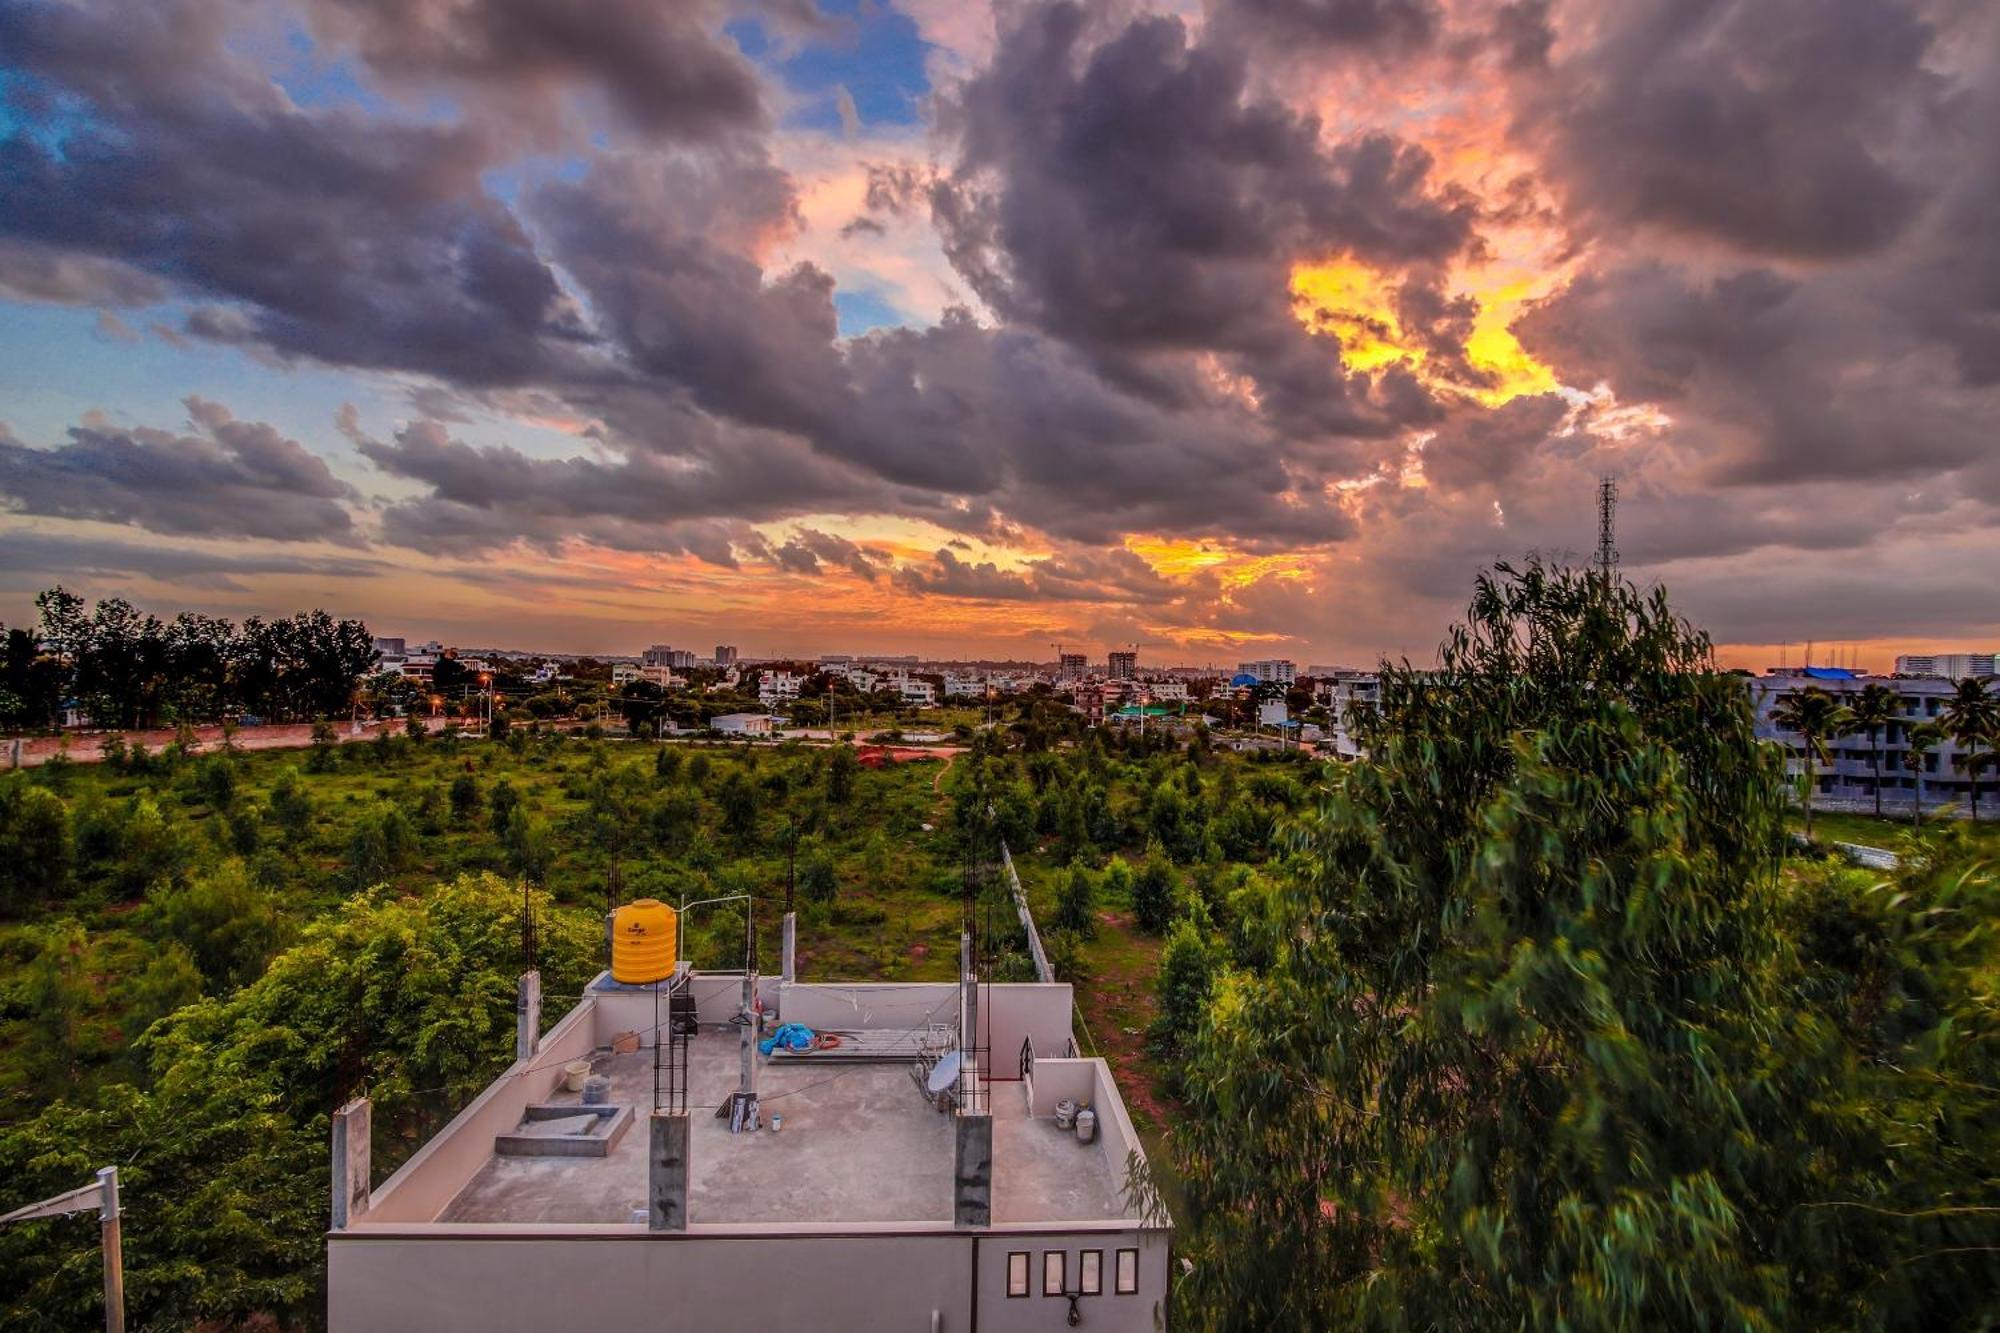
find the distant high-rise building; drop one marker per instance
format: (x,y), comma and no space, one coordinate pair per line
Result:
(1949,666)
(1268,669)
(725,655)
(1074,664)
(1124,666)
(391,647)
(659,655)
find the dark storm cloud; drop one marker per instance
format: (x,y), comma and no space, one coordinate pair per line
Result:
(229,479)
(662,67)
(1772,125)
(336,236)
(1311,28)
(1128,191)
(1079,576)
(29,558)
(41,273)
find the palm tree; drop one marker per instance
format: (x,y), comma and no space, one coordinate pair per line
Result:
(1924,737)
(1972,716)
(1875,708)
(1817,717)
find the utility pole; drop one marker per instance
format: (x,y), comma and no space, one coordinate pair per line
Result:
(103,1194)
(1607,522)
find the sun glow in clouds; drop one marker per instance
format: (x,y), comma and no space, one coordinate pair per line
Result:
(1357,304)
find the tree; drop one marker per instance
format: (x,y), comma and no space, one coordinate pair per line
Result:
(291,806)
(227,925)
(1516,1059)
(737,797)
(818,881)
(1923,738)
(1972,718)
(1076,902)
(1186,977)
(1817,717)
(465,798)
(1873,709)
(34,846)
(1153,893)
(843,766)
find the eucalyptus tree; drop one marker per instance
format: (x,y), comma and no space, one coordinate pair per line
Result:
(1508,1064)
(1817,717)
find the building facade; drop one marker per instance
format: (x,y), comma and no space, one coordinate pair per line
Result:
(1857,766)
(725,655)
(1269,669)
(1947,666)
(1124,666)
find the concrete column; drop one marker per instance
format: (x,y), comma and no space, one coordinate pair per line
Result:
(667,1173)
(968,981)
(972,1169)
(791,947)
(528,1015)
(351,1167)
(747,1046)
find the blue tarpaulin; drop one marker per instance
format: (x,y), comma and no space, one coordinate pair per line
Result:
(792,1036)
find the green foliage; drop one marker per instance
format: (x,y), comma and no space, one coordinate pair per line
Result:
(502,805)
(736,797)
(1076,902)
(466,799)
(819,882)
(1539,1040)
(1153,893)
(228,926)
(842,768)
(223,1155)
(1186,976)
(34,846)
(291,807)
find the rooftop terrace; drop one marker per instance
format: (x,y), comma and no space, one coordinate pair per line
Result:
(860,1143)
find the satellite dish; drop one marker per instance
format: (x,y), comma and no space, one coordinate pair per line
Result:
(943,1074)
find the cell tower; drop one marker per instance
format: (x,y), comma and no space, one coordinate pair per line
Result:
(1607,523)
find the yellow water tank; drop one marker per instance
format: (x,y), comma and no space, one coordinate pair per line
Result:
(645,936)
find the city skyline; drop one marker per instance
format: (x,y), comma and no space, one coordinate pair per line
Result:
(1235,330)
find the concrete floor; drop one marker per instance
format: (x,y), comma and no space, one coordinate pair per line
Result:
(859,1144)
(1042,1174)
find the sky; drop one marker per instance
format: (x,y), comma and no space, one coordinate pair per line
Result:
(1225,329)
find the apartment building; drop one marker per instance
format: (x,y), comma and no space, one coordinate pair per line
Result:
(1947,666)
(1851,776)
(1124,666)
(1268,669)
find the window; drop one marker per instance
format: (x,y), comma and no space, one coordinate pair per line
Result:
(1017,1273)
(1055,1264)
(1090,1272)
(1128,1272)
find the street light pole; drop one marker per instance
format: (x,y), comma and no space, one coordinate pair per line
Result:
(103,1192)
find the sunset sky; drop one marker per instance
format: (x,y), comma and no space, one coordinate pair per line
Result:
(1230,329)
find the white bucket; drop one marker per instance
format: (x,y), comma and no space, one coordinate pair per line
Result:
(1086,1125)
(574,1073)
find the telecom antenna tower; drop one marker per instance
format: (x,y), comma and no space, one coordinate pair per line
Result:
(1607,522)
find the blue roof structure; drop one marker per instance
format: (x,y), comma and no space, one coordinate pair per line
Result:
(1831,673)
(1242,678)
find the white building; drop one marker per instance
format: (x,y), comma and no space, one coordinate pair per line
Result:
(880,1204)
(1950,666)
(624,673)
(921,693)
(778,687)
(1167,691)
(964,687)
(743,724)
(1269,669)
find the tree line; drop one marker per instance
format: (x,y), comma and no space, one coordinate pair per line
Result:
(123,668)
